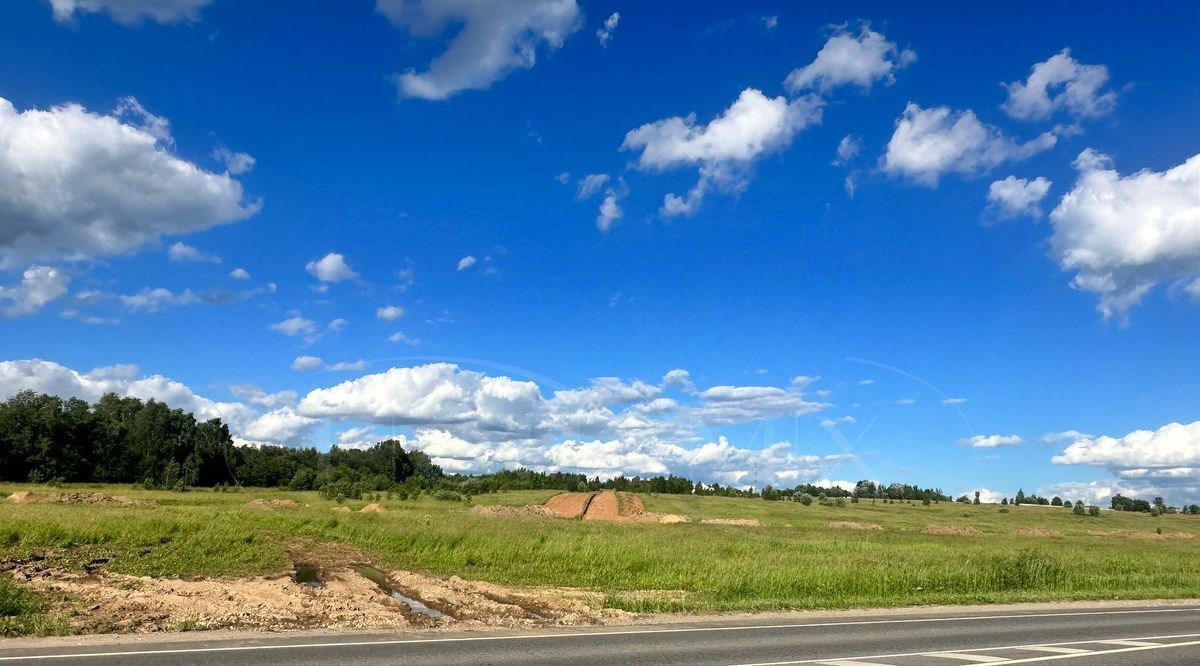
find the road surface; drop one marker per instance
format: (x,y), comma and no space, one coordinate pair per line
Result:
(1076,636)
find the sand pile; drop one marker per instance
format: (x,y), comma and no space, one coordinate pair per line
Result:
(606,506)
(25,497)
(745,522)
(951,530)
(372,508)
(569,505)
(848,525)
(273,504)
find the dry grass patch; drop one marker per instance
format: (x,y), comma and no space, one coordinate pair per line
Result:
(850,525)
(1037,532)
(951,530)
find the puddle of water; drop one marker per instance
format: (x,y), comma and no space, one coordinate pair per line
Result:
(306,575)
(379,578)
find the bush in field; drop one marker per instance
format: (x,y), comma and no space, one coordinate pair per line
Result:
(303,479)
(803,498)
(448,495)
(1079,509)
(840,502)
(1093,510)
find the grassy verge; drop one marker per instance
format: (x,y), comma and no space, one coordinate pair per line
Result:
(794,561)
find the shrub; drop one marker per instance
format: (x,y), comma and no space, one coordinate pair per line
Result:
(804,498)
(840,502)
(448,495)
(1093,510)
(1079,509)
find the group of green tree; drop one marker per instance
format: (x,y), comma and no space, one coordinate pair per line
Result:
(44,438)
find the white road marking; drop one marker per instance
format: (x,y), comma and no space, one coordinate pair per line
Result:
(1148,646)
(585,634)
(1156,646)
(1058,650)
(1129,643)
(847,662)
(979,658)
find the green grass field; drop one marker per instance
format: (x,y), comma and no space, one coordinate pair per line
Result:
(792,562)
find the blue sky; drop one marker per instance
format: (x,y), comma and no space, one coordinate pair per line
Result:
(1009,225)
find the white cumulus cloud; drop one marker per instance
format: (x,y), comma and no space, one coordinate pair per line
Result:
(76,184)
(1014,196)
(1060,82)
(1122,235)
(489,39)
(991,441)
(860,60)
(38,286)
(331,268)
(929,143)
(725,148)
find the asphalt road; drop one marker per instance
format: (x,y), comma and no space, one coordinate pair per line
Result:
(1081,636)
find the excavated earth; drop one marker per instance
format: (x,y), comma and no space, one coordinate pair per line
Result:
(608,506)
(340,597)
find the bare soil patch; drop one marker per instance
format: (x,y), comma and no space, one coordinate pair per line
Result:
(951,530)
(100,601)
(372,508)
(1037,532)
(605,506)
(749,522)
(569,505)
(273,504)
(849,525)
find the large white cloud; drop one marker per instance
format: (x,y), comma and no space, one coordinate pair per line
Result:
(860,60)
(1145,463)
(282,426)
(1122,235)
(131,12)
(50,377)
(38,286)
(929,143)
(725,148)
(76,184)
(1173,445)
(491,39)
(1060,83)
(470,421)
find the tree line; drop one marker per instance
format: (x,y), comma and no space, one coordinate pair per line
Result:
(47,439)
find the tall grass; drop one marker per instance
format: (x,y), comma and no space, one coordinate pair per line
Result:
(792,562)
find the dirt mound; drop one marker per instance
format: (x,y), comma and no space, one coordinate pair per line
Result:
(569,505)
(951,530)
(748,522)
(536,510)
(372,508)
(848,525)
(605,506)
(1037,532)
(25,497)
(100,498)
(273,504)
